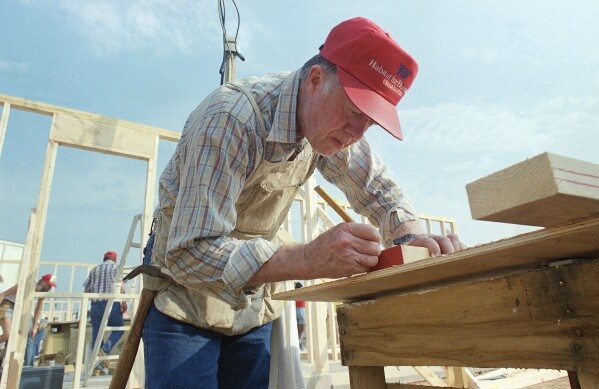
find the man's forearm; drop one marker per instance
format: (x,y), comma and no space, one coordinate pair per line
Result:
(10,291)
(38,310)
(342,251)
(287,263)
(292,262)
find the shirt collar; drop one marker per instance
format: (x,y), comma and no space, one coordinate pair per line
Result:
(284,127)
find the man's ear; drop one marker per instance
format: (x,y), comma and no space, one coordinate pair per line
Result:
(316,78)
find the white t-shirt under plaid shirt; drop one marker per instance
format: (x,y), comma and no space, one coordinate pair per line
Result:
(101,278)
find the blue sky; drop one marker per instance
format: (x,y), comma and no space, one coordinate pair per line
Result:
(499,82)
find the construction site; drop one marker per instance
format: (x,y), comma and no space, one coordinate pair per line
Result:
(519,310)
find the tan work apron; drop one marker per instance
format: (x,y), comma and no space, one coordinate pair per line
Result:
(261,209)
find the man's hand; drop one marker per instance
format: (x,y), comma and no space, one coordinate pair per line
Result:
(438,244)
(123,307)
(344,250)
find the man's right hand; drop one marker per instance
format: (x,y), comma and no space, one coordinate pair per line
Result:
(344,250)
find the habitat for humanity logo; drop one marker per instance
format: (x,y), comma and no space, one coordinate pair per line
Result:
(393,81)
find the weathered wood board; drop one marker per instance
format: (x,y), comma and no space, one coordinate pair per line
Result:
(546,318)
(546,190)
(531,250)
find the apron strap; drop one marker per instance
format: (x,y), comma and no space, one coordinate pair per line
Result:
(257,112)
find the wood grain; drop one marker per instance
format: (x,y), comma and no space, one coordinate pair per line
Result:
(546,318)
(546,190)
(531,250)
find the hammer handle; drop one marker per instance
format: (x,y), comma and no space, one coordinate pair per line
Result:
(131,344)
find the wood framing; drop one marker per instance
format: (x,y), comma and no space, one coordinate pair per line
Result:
(546,190)
(83,130)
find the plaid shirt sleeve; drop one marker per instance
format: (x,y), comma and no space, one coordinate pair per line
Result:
(363,178)
(218,150)
(89,280)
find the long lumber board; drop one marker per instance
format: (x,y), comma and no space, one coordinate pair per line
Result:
(546,190)
(536,249)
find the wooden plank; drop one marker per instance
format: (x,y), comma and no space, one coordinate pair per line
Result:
(545,318)
(367,377)
(531,250)
(429,376)
(455,376)
(112,138)
(546,190)
(588,380)
(524,378)
(49,109)
(4,124)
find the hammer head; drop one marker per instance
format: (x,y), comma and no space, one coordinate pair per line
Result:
(151,270)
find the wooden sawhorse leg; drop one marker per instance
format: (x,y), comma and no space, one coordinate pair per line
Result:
(367,377)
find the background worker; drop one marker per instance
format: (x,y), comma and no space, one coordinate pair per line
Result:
(300,316)
(36,325)
(229,185)
(101,279)
(7,304)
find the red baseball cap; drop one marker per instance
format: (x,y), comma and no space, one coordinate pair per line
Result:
(374,71)
(50,279)
(110,254)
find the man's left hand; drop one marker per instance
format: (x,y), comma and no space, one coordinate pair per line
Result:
(438,244)
(123,307)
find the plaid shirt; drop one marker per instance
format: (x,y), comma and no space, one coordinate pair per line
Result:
(101,278)
(220,147)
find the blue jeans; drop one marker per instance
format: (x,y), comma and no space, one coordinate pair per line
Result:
(33,345)
(115,319)
(181,355)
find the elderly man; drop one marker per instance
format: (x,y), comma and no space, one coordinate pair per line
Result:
(244,153)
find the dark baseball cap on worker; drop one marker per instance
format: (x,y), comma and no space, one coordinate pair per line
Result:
(50,279)
(110,255)
(373,69)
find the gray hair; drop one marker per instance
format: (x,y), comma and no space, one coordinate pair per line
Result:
(330,71)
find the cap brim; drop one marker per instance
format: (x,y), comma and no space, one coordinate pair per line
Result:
(371,103)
